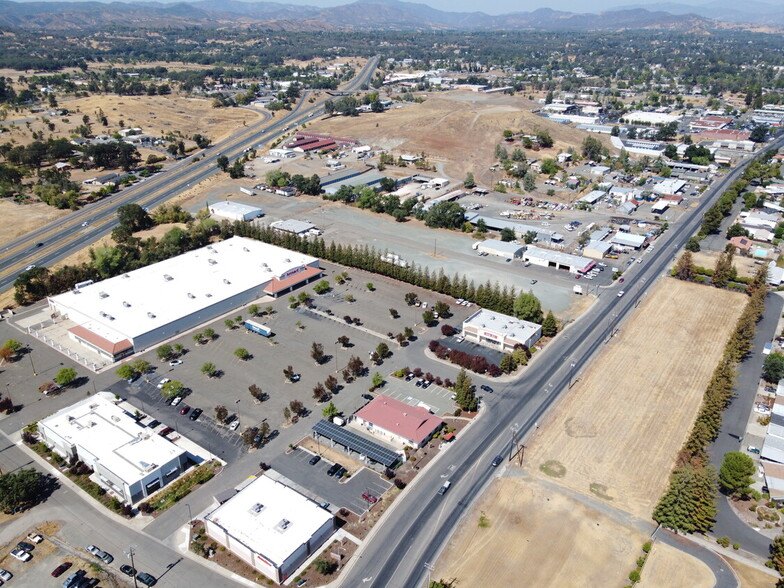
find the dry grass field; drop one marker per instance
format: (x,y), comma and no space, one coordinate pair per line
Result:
(536,538)
(751,577)
(745,265)
(668,566)
(459,128)
(617,432)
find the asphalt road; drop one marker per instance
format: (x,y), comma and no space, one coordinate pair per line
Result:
(64,237)
(430,518)
(734,421)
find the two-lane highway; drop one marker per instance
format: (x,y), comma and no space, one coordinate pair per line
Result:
(69,235)
(421,522)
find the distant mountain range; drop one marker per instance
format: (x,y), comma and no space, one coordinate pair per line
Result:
(376,15)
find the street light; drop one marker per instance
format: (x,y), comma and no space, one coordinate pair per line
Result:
(190,516)
(30,355)
(571,371)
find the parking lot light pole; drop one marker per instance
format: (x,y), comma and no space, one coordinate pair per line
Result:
(190,516)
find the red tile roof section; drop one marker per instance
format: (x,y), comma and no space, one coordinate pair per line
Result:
(277,285)
(100,342)
(410,422)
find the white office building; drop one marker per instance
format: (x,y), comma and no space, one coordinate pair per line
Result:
(128,459)
(500,331)
(235,211)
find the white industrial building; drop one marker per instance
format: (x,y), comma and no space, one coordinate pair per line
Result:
(640,117)
(500,331)
(669,187)
(295,227)
(235,211)
(557,259)
(283,153)
(127,458)
(593,197)
(134,311)
(500,248)
(628,240)
(271,527)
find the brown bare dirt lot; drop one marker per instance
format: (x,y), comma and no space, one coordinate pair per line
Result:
(545,539)
(667,566)
(20,219)
(459,128)
(618,430)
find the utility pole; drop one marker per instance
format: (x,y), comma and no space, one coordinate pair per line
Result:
(430,569)
(130,554)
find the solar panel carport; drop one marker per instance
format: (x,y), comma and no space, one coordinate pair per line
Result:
(354,442)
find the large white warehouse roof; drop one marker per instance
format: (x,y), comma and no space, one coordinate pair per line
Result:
(141,301)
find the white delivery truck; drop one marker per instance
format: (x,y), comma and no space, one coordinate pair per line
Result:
(577,289)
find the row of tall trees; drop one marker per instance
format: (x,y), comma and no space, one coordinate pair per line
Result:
(689,503)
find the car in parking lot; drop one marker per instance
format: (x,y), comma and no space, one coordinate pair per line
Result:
(174,362)
(61,569)
(369,497)
(146,579)
(100,553)
(419,382)
(195,414)
(169,400)
(486,388)
(752,449)
(25,545)
(367,396)
(165,431)
(340,473)
(234,425)
(409,377)
(333,469)
(176,400)
(314,460)
(35,538)
(21,554)
(185,408)
(162,382)
(5,575)
(497,460)
(127,570)
(534,281)
(426,383)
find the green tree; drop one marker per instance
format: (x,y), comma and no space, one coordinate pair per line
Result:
(330,411)
(735,475)
(209,369)
(378,380)
(134,217)
(253,310)
(125,372)
(693,244)
(469,181)
(528,308)
(13,345)
(325,567)
(684,269)
(773,367)
(689,504)
(507,234)
(446,215)
(549,325)
(464,392)
(65,376)
(223,162)
(382,350)
(317,352)
(209,334)
(141,366)
(443,310)
(592,148)
(242,353)
(172,389)
(19,488)
(722,271)
(777,554)
(164,352)
(428,317)
(508,364)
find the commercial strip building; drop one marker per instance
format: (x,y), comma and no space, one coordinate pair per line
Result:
(128,459)
(135,311)
(507,249)
(397,422)
(520,229)
(270,527)
(499,331)
(557,259)
(628,240)
(597,249)
(235,211)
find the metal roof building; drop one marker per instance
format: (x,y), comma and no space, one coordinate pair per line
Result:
(236,211)
(557,259)
(297,227)
(371,178)
(500,248)
(628,240)
(597,249)
(271,527)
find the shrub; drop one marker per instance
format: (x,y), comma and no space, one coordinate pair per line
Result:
(634,576)
(723,541)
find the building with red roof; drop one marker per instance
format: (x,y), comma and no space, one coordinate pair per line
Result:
(397,422)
